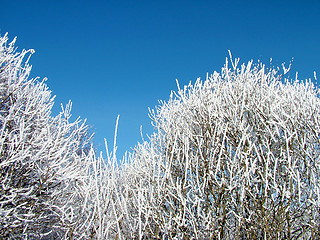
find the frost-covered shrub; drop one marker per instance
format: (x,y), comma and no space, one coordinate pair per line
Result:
(233,157)
(42,163)
(52,183)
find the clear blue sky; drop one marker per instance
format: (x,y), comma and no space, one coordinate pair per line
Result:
(121,57)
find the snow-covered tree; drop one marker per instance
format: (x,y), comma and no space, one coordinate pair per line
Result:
(52,183)
(236,156)
(42,163)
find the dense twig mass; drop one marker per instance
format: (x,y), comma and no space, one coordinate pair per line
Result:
(235,156)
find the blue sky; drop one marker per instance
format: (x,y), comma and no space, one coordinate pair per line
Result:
(121,57)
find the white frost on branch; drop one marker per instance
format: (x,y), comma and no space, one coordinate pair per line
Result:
(233,156)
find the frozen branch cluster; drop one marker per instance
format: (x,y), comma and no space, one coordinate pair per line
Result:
(235,156)
(45,162)
(41,162)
